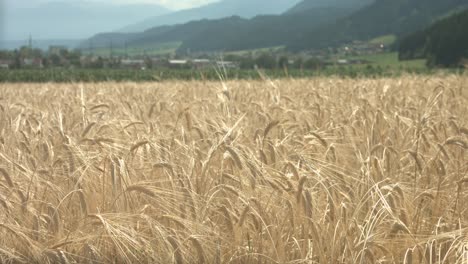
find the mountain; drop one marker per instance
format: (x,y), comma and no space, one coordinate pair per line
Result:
(325,24)
(217,10)
(260,31)
(445,43)
(272,30)
(313,4)
(69,19)
(382,17)
(233,32)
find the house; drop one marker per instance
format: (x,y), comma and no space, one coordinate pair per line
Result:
(32,62)
(178,63)
(157,62)
(342,61)
(201,63)
(227,64)
(133,64)
(57,50)
(87,61)
(362,48)
(5,64)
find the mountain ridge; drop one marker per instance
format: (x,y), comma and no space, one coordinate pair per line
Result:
(383,17)
(313,28)
(244,28)
(310,4)
(216,10)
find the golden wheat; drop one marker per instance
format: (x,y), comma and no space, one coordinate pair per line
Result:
(290,171)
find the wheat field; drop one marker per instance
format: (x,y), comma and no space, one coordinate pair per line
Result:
(323,170)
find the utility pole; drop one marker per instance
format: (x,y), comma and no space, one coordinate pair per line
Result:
(30,42)
(90,49)
(111,48)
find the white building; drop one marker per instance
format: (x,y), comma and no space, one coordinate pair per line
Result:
(5,64)
(227,64)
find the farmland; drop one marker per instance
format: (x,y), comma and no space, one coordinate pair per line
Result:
(318,170)
(63,75)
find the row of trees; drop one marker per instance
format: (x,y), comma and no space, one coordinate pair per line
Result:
(60,57)
(271,61)
(72,58)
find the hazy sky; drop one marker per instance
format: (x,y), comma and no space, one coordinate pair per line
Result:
(12,28)
(179,4)
(171,4)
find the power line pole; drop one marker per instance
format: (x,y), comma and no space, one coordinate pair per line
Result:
(111,49)
(30,42)
(90,49)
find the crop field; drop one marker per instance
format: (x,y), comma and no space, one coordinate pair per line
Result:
(211,74)
(322,170)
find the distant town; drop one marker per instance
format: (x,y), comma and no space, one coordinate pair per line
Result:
(28,57)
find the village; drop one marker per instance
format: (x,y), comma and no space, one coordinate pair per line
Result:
(60,56)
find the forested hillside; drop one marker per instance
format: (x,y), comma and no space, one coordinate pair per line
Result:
(230,33)
(310,4)
(445,43)
(333,24)
(261,31)
(383,17)
(217,10)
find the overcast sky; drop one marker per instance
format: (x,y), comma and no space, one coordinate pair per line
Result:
(180,4)
(171,4)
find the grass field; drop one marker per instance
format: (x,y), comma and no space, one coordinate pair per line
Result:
(62,75)
(386,40)
(390,60)
(323,170)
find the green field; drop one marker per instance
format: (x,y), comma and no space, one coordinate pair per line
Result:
(391,60)
(386,40)
(163,74)
(387,61)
